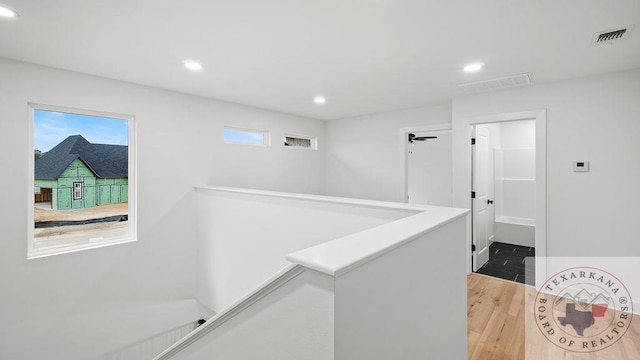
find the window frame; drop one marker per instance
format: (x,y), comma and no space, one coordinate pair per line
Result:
(266,136)
(77,190)
(94,242)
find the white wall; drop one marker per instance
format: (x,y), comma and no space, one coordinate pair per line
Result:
(593,119)
(151,347)
(245,237)
(429,170)
(407,304)
(294,321)
(623,268)
(375,294)
(365,154)
(50,305)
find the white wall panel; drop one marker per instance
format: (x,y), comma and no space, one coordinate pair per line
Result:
(365,154)
(588,119)
(179,145)
(244,238)
(409,304)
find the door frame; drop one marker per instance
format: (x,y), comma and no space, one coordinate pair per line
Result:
(403,137)
(465,183)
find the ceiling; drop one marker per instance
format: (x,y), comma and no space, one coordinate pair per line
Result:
(364,56)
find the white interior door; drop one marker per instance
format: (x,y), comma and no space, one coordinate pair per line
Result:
(429,170)
(482,183)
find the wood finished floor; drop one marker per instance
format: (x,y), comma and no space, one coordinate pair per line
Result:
(496,326)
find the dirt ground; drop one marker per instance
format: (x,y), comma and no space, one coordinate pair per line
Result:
(95,212)
(66,235)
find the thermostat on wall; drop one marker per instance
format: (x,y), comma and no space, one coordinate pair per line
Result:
(581,166)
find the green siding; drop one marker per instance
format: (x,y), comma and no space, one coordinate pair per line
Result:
(45,183)
(95,191)
(77,204)
(68,182)
(72,171)
(115,193)
(90,196)
(105,181)
(64,198)
(104,195)
(84,171)
(124,193)
(54,199)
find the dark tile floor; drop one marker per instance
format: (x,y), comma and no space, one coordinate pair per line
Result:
(507,262)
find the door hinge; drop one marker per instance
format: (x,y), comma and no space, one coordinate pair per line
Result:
(473,141)
(473,247)
(473,194)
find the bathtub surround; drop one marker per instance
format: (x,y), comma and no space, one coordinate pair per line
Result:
(515,231)
(515,183)
(515,171)
(512,163)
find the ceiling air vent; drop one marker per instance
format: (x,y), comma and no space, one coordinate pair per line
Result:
(497,84)
(612,36)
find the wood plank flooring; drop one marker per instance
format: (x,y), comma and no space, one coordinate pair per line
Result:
(497,330)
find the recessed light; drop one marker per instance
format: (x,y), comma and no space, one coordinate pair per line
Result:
(473,67)
(319,100)
(6,12)
(192,65)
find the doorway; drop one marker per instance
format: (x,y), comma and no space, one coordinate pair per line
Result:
(429,168)
(503,169)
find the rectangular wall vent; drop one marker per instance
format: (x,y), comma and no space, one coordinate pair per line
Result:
(296,141)
(500,83)
(612,36)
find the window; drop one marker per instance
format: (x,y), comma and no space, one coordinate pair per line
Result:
(246,137)
(301,142)
(77,191)
(82,185)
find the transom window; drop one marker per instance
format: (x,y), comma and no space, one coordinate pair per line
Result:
(245,136)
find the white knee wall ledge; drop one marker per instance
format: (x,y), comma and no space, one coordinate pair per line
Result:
(342,255)
(385,283)
(338,256)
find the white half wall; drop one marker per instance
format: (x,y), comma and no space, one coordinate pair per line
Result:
(245,235)
(376,294)
(588,119)
(294,321)
(410,303)
(365,155)
(179,144)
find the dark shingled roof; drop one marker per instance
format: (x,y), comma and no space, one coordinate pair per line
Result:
(106,161)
